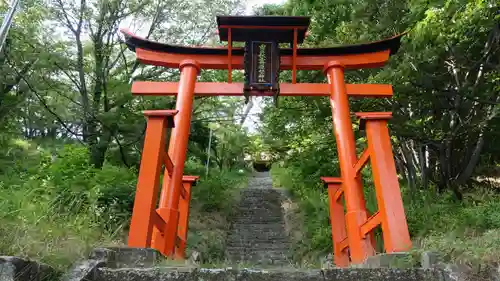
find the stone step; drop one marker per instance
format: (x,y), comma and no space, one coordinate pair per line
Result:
(243,250)
(261,189)
(258,225)
(255,196)
(252,229)
(263,234)
(254,211)
(253,188)
(258,201)
(270,252)
(257,239)
(256,242)
(276,232)
(276,208)
(259,219)
(194,274)
(258,228)
(263,262)
(257,261)
(271,244)
(257,216)
(259,257)
(255,200)
(262,193)
(257,245)
(261,214)
(259,206)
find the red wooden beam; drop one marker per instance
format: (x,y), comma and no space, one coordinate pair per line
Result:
(371,223)
(353,61)
(364,116)
(169,165)
(362,161)
(344,244)
(149,88)
(262,27)
(158,220)
(331,180)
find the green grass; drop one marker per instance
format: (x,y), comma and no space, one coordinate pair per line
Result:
(55,211)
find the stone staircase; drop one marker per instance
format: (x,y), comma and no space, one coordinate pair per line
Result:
(258,235)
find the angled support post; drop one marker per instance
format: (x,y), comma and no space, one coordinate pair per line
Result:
(391,214)
(144,216)
(337,220)
(182,230)
(177,150)
(356,214)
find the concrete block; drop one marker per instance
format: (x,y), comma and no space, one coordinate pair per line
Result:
(392,260)
(383,274)
(18,269)
(429,259)
(160,274)
(131,257)
(112,257)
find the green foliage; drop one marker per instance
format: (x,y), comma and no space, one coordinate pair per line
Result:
(63,85)
(445,114)
(213,193)
(109,191)
(435,220)
(445,102)
(54,210)
(70,174)
(432,213)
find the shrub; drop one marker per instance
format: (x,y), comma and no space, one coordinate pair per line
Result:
(212,192)
(56,208)
(434,219)
(55,211)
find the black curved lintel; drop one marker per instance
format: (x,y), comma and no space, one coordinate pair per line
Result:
(133,41)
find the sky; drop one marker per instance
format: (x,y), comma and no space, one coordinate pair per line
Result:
(253,119)
(251,3)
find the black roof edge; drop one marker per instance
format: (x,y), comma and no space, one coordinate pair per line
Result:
(133,41)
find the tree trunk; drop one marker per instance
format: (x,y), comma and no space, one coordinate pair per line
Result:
(98,150)
(473,160)
(424,166)
(410,168)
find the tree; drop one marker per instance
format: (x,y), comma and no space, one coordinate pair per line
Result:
(86,88)
(445,79)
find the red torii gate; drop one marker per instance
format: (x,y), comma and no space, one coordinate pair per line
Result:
(164,227)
